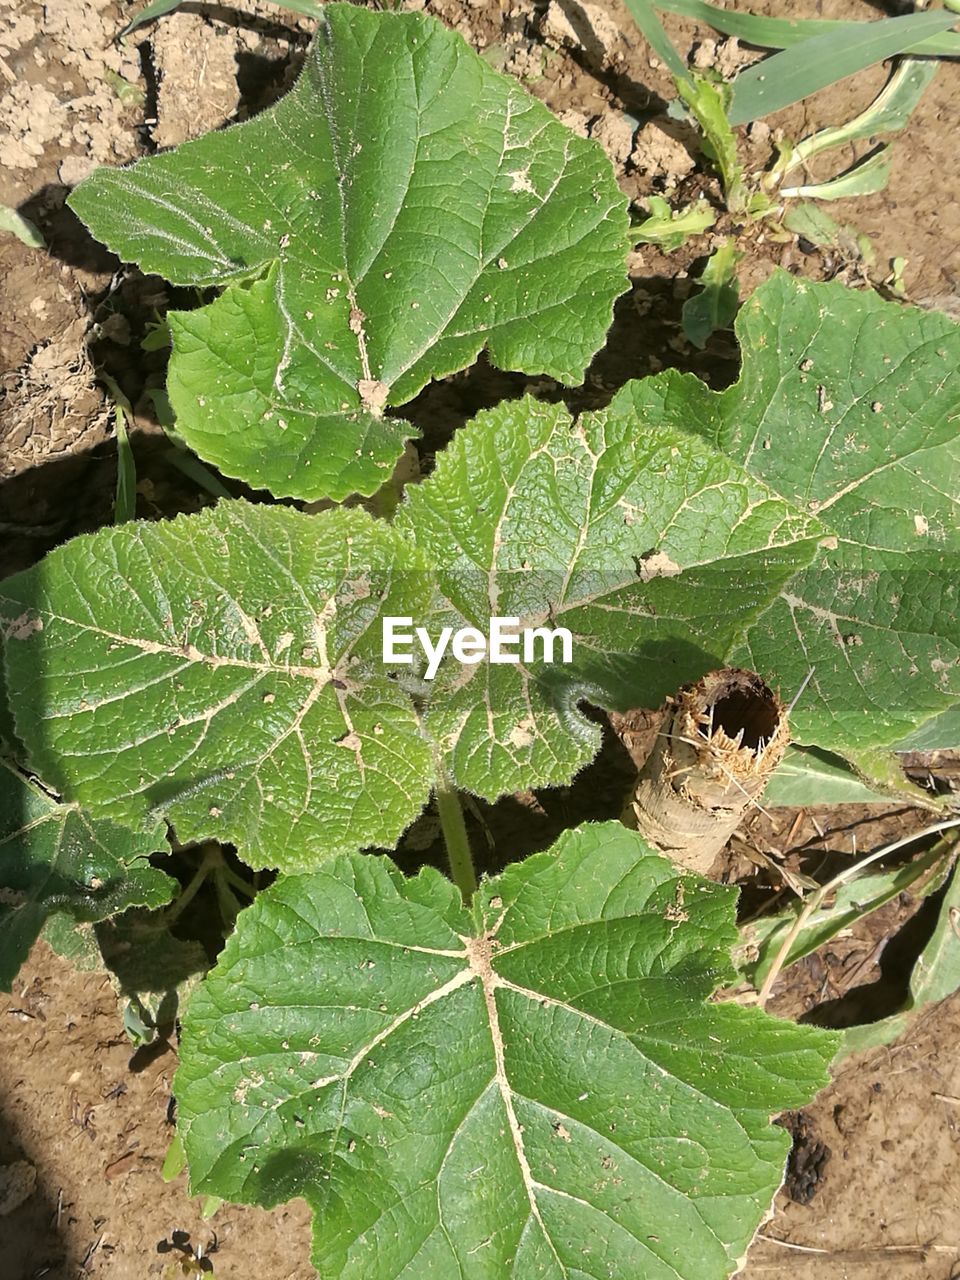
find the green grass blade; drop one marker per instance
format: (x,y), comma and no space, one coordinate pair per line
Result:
(781,33)
(651,28)
(125,503)
(805,68)
(202,476)
(148,13)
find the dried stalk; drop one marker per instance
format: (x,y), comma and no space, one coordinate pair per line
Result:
(720,742)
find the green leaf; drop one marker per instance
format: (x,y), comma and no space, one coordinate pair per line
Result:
(854,900)
(863,179)
(21,227)
(151,967)
(822,60)
(717,303)
(709,103)
(847,406)
(940,733)
(807,776)
(936,975)
(781,33)
(224,669)
(534,1089)
(55,859)
(125,502)
(671,229)
(402,208)
(653,551)
(815,224)
(149,13)
(651,28)
(889,112)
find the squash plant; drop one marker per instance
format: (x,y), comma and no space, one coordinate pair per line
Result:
(526,1076)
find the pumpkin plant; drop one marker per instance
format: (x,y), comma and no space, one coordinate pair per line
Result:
(529,1075)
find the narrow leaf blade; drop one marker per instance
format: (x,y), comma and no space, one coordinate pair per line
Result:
(149,13)
(644,15)
(805,68)
(781,33)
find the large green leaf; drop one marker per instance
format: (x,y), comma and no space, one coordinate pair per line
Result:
(535,1089)
(654,551)
(226,669)
(848,407)
(56,860)
(403,207)
(223,669)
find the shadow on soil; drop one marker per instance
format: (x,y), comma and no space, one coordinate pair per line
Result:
(35,1237)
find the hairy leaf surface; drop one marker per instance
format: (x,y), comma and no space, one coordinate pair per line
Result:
(403,207)
(534,1089)
(226,669)
(55,859)
(654,551)
(223,669)
(849,407)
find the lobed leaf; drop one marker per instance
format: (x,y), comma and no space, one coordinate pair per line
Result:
(402,208)
(180,669)
(534,1089)
(847,406)
(56,862)
(223,669)
(226,669)
(652,550)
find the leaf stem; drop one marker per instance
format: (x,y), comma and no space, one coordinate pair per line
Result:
(454,831)
(207,866)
